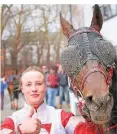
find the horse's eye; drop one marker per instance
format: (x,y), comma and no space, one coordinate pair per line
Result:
(107,69)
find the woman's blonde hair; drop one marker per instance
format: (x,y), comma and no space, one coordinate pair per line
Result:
(32,68)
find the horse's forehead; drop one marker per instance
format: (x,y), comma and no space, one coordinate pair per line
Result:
(83,47)
(83,28)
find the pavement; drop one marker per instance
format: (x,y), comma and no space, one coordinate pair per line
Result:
(7,111)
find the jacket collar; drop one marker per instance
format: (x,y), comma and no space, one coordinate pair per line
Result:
(39,109)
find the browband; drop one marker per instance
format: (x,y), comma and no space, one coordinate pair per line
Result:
(84,31)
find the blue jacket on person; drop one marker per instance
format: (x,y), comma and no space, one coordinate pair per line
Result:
(3,86)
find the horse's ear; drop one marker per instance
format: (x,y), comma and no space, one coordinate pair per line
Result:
(97,19)
(66,26)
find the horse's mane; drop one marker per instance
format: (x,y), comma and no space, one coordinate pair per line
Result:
(113,91)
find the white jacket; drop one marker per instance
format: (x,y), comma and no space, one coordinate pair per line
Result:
(59,121)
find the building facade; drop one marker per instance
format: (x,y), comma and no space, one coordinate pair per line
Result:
(109,28)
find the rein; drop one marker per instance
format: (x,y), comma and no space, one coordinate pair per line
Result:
(110,128)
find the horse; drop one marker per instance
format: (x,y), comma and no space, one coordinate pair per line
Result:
(90,61)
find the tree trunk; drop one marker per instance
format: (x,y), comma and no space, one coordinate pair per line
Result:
(48,54)
(58,54)
(14,61)
(40,52)
(3,58)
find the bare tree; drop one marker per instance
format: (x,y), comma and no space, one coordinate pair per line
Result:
(18,34)
(5,16)
(36,25)
(45,32)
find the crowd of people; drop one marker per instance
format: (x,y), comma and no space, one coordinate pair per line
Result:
(57,85)
(11,83)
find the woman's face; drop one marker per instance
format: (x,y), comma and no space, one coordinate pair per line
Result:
(52,71)
(33,87)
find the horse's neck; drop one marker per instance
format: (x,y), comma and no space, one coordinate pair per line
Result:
(113,91)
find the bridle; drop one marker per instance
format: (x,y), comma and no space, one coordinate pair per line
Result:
(100,68)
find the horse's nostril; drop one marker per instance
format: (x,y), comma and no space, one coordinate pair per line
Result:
(101,104)
(89,98)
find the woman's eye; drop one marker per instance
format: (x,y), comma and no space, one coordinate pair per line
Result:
(28,84)
(38,83)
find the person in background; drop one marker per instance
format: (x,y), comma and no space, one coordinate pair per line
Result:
(11,89)
(46,72)
(3,86)
(15,92)
(63,91)
(53,84)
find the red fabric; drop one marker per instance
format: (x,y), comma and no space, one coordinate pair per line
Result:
(8,123)
(88,128)
(47,127)
(53,80)
(110,74)
(65,116)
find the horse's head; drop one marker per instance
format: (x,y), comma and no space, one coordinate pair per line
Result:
(88,59)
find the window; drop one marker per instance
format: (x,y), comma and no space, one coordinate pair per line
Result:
(109,11)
